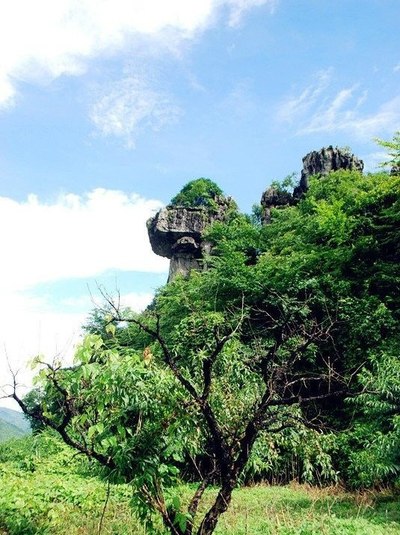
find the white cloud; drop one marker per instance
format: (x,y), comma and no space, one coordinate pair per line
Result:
(396,68)
(45,39)
(130,104)
(335,117)
(75,236)
(320,108)
(30,327)
(136,301)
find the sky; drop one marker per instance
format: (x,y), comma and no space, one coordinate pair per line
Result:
(107,108)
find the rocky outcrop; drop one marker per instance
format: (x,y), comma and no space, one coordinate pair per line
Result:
(318,163)
(324,161)
(176,232)
(271,198)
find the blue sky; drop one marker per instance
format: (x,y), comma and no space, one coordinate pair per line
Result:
(107,108)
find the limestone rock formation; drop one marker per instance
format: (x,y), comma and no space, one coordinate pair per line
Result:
(176,232)
(323,162)
(271,198)
(320,163)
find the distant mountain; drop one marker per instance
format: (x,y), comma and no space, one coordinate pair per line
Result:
(13,424)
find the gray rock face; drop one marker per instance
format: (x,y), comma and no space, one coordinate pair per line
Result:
(176,232)
(323,162)
(271,198)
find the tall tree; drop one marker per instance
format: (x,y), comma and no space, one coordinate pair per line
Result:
(279,327)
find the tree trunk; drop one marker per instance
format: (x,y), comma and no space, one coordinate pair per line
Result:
(220,505)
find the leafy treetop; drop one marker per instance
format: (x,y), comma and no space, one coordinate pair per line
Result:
(393,150)
(199,192)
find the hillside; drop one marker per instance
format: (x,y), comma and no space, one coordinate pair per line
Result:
(13,424)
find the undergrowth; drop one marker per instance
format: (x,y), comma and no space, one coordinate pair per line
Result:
(47,489)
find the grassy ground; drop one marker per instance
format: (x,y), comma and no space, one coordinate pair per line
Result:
(44,490)
(261,510)
(300,510)
(295,510)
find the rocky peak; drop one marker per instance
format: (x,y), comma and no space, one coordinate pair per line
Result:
(271,198)
(324,161)
(320,163)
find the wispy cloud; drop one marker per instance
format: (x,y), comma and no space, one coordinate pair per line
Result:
(45,39)
(296,106)
(322,108)
(130,104)
(239,7)
(337,117)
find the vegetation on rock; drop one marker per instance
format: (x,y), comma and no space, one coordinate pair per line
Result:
(196,193)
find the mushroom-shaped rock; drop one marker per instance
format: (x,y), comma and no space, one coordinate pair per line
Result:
(176,231)
(172,224)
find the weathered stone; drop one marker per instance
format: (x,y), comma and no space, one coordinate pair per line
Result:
(319,163)
(325,161)
(170,225)
(176,232)
(271,198)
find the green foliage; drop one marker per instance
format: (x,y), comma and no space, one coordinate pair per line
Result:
(45,486)
(297,454)
(339,250)
(373,446)
(393,150)
(287,184)
(47,489)
(201,192)
(289,314)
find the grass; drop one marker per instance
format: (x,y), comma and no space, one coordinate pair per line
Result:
(301,510)
(45,490)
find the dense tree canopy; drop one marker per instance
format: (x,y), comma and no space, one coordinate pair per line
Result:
(291,333)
